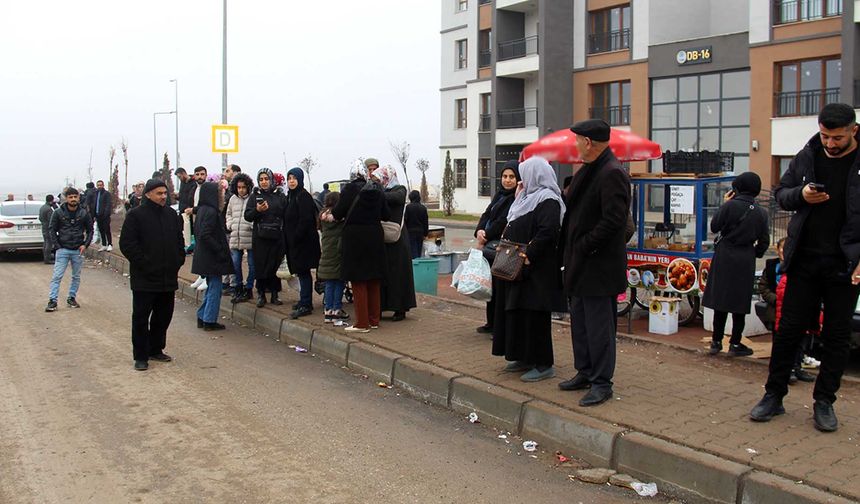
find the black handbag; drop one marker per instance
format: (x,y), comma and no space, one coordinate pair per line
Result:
(270,230)
(489,250)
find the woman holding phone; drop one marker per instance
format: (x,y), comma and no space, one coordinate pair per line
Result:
(265,209)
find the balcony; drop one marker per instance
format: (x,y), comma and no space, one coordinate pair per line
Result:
(615,116)
(484,125)
(482,2)
(804,103)
(517,5)
(485,58)
(516,118)
(518,48)
(793,11)
(609,41)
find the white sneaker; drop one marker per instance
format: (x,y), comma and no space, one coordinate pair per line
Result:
(353,329)
(102,249)
(196,283)
(109,248)
(202,287)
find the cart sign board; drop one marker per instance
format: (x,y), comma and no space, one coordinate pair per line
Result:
(682,199)
(225,139)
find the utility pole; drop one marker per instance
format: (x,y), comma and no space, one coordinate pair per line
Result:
(224,83)
(176,109)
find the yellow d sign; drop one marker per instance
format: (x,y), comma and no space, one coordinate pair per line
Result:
(225,139)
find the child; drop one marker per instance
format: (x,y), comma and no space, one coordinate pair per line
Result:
(329,267)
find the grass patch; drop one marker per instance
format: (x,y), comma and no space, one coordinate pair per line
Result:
(439,214)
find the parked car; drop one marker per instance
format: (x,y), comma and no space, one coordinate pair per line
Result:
(20,228)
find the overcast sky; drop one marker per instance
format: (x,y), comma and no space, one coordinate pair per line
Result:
(335,79)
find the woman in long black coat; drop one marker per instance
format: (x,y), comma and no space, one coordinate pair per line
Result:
(302,239)
(266,208)
(492,223)
(362,207)
(522,328)
(398,289)
(743,228)
(212,253)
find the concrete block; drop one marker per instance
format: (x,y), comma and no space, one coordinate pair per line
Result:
(266,321)
(495,405)
(375,362)
(578,435)
(763,488)
(425,381)
(598,475)
(678,470)
(243,312)
(296,333)
(331,345)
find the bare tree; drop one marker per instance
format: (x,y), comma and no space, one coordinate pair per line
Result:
(112,155)
(123,145)
(167,174)
(308,164)
(423,165)
(89,167)
(401,153)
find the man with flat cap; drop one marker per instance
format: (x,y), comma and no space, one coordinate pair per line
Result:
(594,255)
(151,239)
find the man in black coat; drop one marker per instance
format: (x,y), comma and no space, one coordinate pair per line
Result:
(822,260)
(594,255)
(151,239)
(102,206)
(45,213)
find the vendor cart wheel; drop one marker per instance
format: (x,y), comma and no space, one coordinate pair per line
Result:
(688,310)
(626,302)
(642,297)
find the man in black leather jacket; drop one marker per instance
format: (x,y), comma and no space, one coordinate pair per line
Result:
(70,232)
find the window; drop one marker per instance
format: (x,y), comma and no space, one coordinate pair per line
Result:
(486,103)
(460,111)
(610,30)
(702,112)
(485,180)
(460,173)
(462,47)
(611,102)
(462,5)
(781,163)
(485,44)
(807,86)
(792,11)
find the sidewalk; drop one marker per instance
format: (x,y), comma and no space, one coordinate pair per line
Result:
(678,418)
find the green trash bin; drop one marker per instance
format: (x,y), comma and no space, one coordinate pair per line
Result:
(425,271)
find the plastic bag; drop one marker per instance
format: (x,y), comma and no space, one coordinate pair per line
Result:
(473,278)
(284,270)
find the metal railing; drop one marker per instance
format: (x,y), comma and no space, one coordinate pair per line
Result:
(792,11)
(609,41)
(484,125)
(614,115)
(516,118)
(518,48)
(804,103)
(482,2)
(485,58)
(777,217)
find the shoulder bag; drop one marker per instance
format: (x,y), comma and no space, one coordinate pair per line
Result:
(721,234)
(391,230)
(510,259)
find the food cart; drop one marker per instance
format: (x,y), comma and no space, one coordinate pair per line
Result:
(670,253)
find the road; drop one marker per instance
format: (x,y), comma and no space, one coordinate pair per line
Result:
(235,418)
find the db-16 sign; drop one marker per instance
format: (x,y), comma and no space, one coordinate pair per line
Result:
(694,56)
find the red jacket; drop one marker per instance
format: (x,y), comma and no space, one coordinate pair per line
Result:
(815,325)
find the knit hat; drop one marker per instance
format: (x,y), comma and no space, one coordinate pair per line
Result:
(153,184)
(370,161)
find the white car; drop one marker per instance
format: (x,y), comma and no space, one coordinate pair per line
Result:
(20,228)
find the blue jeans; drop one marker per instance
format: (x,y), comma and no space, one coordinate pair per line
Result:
(236,254)
(306,287)
(62,259)
(333,297)
(208,311)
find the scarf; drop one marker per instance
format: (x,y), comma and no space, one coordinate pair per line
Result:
(271,175)
(539,185)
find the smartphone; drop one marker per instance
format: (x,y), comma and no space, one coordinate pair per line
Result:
(259,200)
(818,187)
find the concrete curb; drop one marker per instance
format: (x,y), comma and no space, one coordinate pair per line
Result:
(696,476)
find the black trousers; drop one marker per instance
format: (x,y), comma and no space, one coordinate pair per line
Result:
(738,323)
(150,317)
(814,280)
(47,252)
(593,325)
(104,230)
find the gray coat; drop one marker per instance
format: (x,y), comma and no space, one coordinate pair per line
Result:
(241,231)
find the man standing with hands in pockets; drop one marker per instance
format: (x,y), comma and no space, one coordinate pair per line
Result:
(822,260)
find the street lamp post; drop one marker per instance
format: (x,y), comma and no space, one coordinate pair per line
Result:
(224,82)
(176,110)
(155,136)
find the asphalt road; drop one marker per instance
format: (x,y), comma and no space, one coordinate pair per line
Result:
(235,418)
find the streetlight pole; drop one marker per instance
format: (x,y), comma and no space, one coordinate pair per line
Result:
(176,109)
(155,136)
(224,82)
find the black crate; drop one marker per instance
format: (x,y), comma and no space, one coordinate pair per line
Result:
(698,163)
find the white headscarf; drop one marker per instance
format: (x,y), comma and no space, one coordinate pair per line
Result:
(539,185)
(386,176)
(358,171)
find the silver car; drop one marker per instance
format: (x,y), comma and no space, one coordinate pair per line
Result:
(20,228)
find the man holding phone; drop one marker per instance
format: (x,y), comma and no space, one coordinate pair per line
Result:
(822,260)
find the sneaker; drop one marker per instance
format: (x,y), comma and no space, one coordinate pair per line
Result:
(52,305)
(72,303)
(328,318)
(109,248)
(374,327)
(769,407)
(353,329)
(340,315)
(716,347)
(202,287)
(804,376)
(811,363)
(196,283)
(824,416)
(517,367)
(536,375)
(102,248)
(301,311)
(484,329)
(739,350)
(141,365)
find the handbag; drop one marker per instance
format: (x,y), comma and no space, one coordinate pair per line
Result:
(269,230)
(391,230)
(721,234)
(509,261)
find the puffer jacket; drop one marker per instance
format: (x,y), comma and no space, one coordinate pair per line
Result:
(241,231)
(329,267)
(70,230)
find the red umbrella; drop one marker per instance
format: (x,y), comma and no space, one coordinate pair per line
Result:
(561,147)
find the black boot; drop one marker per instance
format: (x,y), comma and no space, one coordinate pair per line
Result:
(274,299)
(261,299)
(238,295)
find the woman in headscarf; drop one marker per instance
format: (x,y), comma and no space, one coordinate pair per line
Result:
(265,209)
(522,328)
(398,289)
(492,223)
(362,207)
(743,235)
(302,239)
(212,254)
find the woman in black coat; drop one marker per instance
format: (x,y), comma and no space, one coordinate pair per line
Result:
(266,208)
(522,328)
(211,254)
(362,207)
(492,223)
(302,239)
(398,289)
(744,235)
(417,224)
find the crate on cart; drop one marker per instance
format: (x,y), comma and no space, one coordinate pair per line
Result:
(698,163)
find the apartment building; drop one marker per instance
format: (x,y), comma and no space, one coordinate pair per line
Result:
(742,76)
